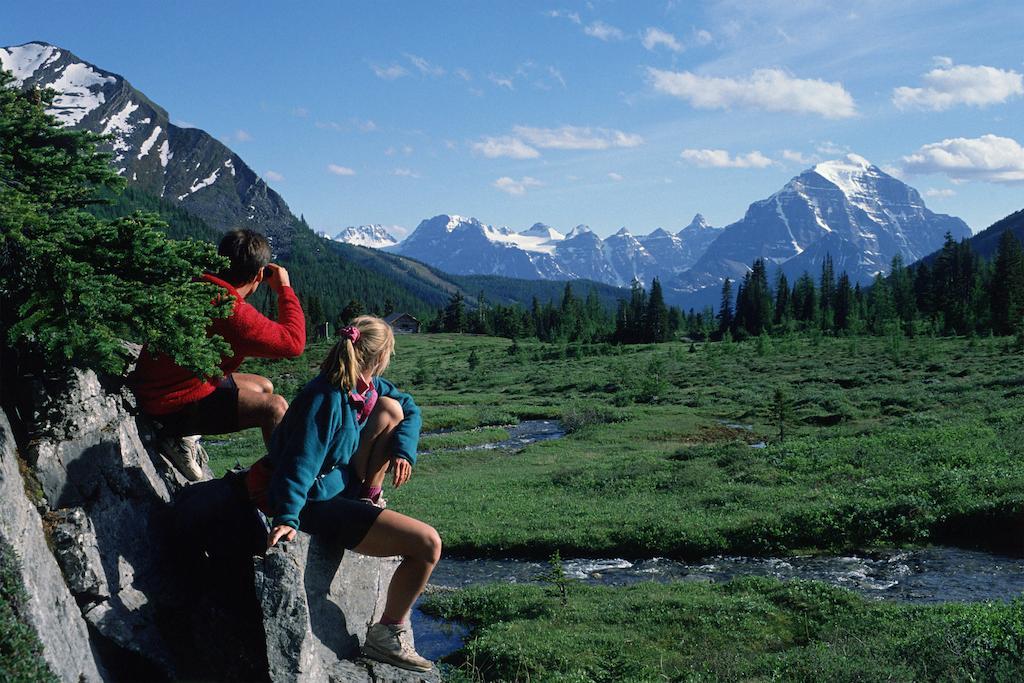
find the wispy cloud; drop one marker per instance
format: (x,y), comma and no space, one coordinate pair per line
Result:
(703,36)
(796,157)
(273,176)
(242,136)
(406,173)
(939,194)
(577,137)
(990,158)
(830,148)
(765,89)
(615,176)
(720,158)
(340,170)
(362,125)
(505,146)
(390,72)
(464,74)
(654,37)
(425,67)
(301,112)
(571,16)
(948,85)
(603,31)
(514,187)
(501,81)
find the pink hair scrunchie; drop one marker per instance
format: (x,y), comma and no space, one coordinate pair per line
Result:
(351,333)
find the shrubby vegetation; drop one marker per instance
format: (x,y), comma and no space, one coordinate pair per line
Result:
(74,286)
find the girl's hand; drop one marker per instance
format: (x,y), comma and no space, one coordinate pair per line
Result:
(401,470)
(281,532)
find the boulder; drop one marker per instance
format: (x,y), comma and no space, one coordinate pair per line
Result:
(318,601)
(50,608)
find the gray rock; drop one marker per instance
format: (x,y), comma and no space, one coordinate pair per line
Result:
(50,609)
(77,552)
(318,601)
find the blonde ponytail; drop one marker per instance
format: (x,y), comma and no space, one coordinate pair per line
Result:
(366,344)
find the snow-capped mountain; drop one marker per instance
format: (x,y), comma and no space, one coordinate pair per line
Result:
(466,246)
(848,208)
(373,235)
(184,165)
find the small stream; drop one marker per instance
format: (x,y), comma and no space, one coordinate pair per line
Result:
(928,575)
(519,436)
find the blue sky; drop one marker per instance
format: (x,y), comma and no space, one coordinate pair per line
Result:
(605,113)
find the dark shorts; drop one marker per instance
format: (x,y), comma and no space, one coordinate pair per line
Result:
(344,520)
(213,414)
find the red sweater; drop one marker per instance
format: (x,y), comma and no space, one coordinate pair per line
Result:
(164,387)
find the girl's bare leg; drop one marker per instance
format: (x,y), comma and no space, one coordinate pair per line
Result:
(420,547)
(373,456)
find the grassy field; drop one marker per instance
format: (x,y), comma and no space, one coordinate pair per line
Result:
(887,442)
(749,629)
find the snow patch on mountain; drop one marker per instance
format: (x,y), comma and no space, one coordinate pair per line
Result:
(149,142)
(375,236)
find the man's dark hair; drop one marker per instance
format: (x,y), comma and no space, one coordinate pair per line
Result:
(248,251)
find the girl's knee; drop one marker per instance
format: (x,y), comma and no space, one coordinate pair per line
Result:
(431,545)
(390,410)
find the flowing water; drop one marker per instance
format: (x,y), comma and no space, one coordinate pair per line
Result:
(928,575)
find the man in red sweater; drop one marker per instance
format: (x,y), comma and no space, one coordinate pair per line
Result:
(186,405)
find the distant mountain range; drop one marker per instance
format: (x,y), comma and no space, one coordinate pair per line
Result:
(847,208)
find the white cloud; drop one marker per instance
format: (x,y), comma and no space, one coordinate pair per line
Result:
(653,37)
(703,37)
(367,126)
(556,74)
(501,81)
(389,73)
(942,61)
(301,112)
(406,173)
(990,158)
(273,176)
(464,74)
(425,67)
(796,157)
(948,85)
(571,16)
(505,146)
(767,89)
(615,176)
(515,187)
(941,194)
(603,31)
(577,137)
(720,158)
(340,170)
(242,136)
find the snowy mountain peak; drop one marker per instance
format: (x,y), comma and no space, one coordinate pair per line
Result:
(847,174)
(623,232)
(660,233)
(698,223)
(578,230)
(542,230)
(374,235)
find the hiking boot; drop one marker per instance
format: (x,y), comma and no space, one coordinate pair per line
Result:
(392,644)
(186,454)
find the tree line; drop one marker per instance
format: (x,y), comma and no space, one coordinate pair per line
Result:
(955,292)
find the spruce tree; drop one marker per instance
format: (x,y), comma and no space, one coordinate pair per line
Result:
(656,319)
(1008,285)
(455,314)
(725,314)
(74,286)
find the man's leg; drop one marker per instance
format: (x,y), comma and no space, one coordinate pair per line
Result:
(258,383)
(260,409)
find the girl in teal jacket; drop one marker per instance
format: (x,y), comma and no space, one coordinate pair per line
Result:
(327,462)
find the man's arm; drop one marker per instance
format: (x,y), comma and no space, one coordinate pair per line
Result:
(251,333)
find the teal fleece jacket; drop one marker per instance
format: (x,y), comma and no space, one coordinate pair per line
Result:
(311,448)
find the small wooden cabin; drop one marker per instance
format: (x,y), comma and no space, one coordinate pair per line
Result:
(403,323)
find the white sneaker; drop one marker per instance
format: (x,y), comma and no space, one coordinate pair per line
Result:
(186,454)
(392,644)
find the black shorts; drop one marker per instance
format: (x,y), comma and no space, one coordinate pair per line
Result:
(345,520)
(213,414)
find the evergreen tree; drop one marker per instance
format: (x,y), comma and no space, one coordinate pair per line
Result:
(353,309)
(74,286)
(454,319)
(783,301)
(844,303)
(1008,285)
(725,314)
(827,291)
(656,322)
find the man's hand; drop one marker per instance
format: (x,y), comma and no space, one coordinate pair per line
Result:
(276,277)
(281,532)
(401,470)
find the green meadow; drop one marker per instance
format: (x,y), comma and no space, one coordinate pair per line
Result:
(867,442)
